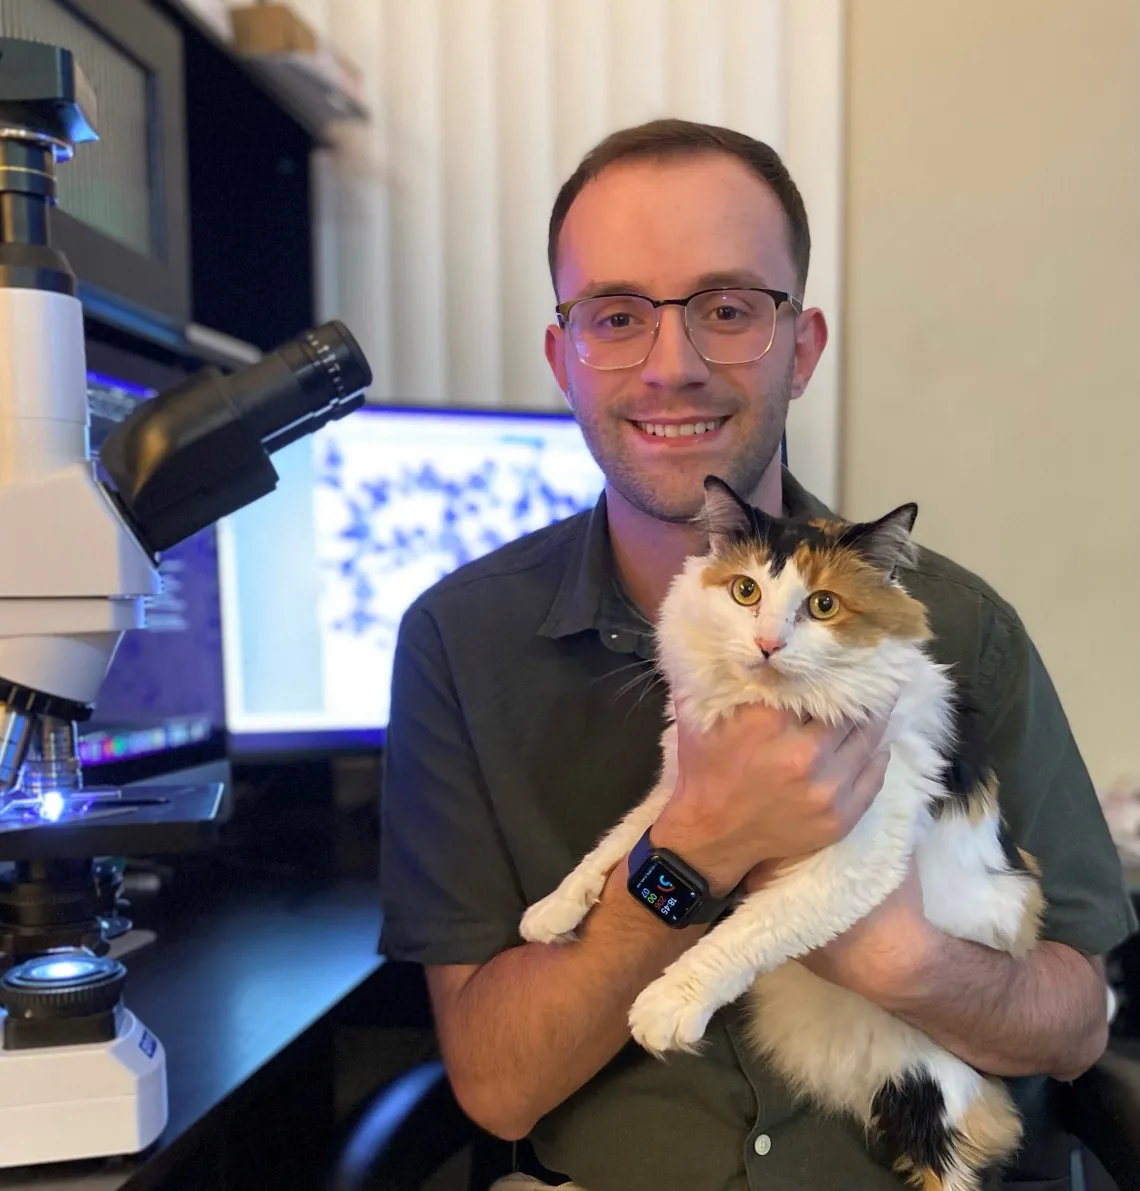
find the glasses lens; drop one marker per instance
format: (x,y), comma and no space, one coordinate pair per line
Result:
(614,331)
(732,326)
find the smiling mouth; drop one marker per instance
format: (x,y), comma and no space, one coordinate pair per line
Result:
(680,429)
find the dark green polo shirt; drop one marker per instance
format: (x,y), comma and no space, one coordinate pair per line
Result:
(524,725)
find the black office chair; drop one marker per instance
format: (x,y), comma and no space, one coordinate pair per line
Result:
(412,1127)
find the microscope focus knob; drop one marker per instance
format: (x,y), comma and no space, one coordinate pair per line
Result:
(65,998)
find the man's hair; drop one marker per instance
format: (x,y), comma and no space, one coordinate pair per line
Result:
(678,138)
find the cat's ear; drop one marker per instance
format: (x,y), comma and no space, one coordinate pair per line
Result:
(725,516)
(885,543)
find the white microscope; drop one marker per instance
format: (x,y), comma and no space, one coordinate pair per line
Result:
(80,1076)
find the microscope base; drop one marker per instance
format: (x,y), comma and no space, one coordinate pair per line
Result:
(68,1102)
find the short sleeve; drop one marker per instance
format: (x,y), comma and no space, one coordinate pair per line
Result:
(449,891)
(1046,795)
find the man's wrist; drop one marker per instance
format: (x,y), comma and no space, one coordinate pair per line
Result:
(720,874)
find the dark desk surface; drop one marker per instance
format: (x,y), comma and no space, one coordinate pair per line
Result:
(228,986)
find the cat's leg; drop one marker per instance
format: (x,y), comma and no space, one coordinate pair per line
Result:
(555,917)
(800,911)
(975,883)
(938,1120)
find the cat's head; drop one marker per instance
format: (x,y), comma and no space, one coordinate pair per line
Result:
(806,615)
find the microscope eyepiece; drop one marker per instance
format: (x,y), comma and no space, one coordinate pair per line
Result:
(200,451)
(280,395)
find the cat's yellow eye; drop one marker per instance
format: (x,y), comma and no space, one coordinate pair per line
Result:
(744,590)
(823,605)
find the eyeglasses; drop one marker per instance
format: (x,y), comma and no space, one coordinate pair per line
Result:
(725,326)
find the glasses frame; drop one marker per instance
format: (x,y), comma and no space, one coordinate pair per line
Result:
(779,296)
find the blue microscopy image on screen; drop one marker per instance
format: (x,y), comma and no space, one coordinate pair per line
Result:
(400,506)
(370,512)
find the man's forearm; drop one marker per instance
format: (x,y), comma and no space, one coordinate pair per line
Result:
(1045,1014)
(531,1026)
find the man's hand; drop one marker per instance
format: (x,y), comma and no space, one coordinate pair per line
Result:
(760,785)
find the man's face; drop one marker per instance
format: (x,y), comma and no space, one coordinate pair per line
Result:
(666,229)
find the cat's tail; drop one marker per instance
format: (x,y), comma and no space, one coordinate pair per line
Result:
(935,1148)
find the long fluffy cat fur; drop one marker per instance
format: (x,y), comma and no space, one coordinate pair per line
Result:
(942,1123)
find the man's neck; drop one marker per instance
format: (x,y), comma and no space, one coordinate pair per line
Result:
(649,553)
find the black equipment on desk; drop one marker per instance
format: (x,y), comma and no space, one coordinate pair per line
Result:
(122,220)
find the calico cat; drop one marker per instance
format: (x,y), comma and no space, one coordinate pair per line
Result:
(850,642)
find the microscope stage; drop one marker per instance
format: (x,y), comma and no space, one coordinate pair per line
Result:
(136,820)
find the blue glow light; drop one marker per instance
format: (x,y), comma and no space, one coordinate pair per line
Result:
(101,380)
(65,969)
(52,805)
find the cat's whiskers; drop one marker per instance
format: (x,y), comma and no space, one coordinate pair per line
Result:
(650,676)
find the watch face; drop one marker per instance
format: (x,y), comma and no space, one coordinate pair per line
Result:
(665,892)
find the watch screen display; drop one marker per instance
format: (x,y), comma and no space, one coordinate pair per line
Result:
(664,892)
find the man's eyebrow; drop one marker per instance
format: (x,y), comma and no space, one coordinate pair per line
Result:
(733,279)
(599,289)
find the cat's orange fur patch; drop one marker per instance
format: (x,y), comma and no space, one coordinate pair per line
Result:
(1029,931)
(871,609)
(738,559)
(991,1129)
(982,802)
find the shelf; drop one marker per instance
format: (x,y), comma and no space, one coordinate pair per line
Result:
(294,82)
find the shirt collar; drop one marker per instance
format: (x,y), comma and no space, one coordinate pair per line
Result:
(589,597)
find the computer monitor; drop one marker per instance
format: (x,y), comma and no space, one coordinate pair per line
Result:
(369,512)
(162,703)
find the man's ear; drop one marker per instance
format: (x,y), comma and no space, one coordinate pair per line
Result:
(885,543)
(555,350)
(725,516)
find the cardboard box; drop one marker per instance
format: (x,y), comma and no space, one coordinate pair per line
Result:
(271,29)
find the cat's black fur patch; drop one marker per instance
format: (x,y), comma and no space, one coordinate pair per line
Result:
(968,761)
(741,522)
(908,1114)
(783,537)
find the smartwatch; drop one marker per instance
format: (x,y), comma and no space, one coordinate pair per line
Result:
(669,889)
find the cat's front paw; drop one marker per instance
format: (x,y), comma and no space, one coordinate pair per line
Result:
(555,918)
(666,1017)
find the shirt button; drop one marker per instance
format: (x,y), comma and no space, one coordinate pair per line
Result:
(762,1144)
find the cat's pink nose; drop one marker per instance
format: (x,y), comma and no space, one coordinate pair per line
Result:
(770,645)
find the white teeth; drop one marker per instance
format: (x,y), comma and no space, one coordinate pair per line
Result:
(675,429)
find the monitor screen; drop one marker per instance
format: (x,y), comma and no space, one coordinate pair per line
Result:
(369,512)
(162,700)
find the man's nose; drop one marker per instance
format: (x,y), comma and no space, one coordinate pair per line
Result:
(673,361)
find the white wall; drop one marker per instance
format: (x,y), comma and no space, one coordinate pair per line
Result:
(433,240)
(993,301)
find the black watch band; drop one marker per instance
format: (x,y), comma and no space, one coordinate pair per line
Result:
(671,890)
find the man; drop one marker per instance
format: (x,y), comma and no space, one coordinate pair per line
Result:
(516,737)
